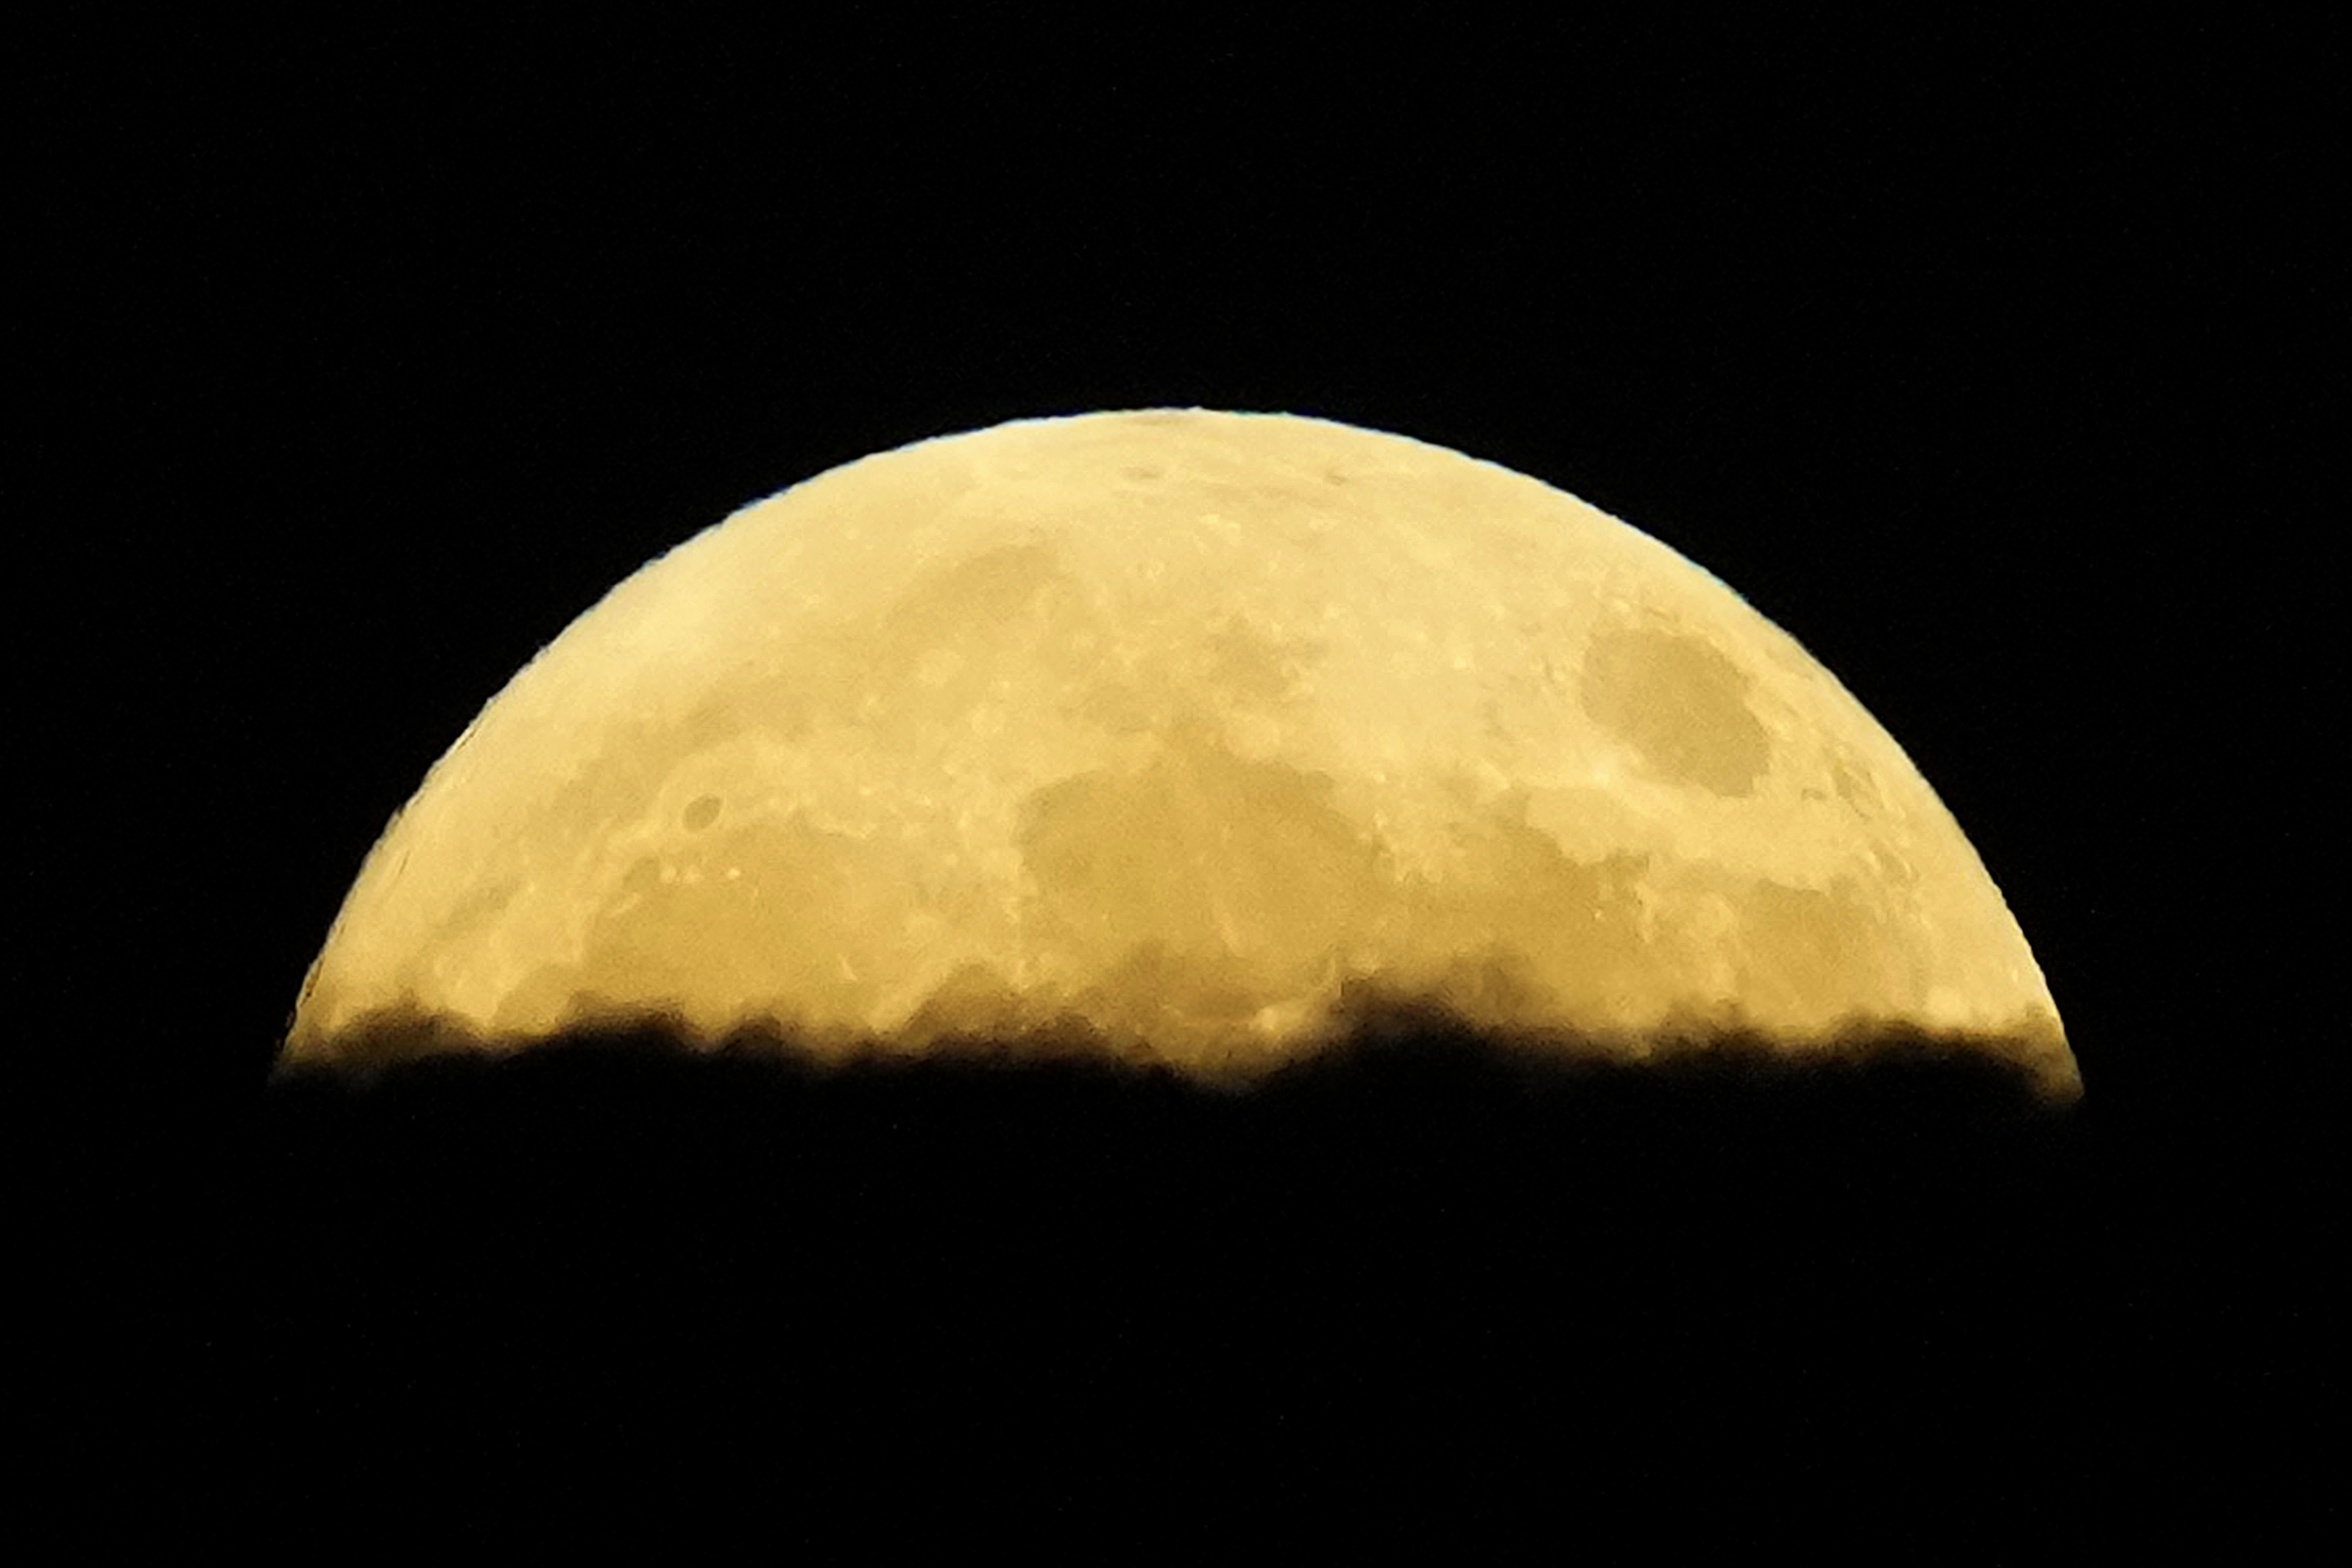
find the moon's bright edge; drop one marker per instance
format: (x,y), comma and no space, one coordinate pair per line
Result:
(1187,727)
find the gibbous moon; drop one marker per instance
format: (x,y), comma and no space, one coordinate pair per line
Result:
(1185,726)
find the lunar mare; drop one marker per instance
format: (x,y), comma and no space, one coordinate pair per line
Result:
(1186,725)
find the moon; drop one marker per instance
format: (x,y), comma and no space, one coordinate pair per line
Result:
(1190,728)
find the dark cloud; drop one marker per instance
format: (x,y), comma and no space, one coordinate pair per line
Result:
(1424,1238)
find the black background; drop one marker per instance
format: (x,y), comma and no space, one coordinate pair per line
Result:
(1984,360)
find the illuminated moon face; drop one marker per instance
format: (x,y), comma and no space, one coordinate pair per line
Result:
(1183,723)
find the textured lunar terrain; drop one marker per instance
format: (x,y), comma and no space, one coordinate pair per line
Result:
(1186,724)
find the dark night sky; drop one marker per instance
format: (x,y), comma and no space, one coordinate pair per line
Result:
(1983,363)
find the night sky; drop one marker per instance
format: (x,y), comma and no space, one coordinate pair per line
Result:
(1983,363)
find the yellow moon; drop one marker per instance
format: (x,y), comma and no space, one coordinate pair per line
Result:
(1188,727)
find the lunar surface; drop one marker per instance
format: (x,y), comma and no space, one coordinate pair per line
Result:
(1188,728)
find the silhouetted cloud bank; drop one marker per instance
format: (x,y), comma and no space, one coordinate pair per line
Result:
(1424,1250)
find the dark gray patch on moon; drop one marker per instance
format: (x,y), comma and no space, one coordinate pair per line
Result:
(1680,705)
(475,909)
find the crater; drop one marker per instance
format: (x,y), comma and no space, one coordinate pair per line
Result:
(1202,854)
(1533,922)
(477,909)
(700,814)
(1818,951)
(1251,665)
(981,590)
(765,909)
(1680,705)
(1855,788)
